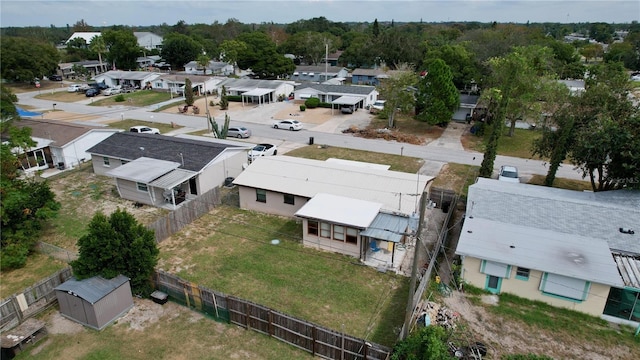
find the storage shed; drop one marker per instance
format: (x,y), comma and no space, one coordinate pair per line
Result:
(95,302)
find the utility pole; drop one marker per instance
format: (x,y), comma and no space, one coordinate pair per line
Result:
(414,270)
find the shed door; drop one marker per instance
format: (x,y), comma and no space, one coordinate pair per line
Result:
(76,309)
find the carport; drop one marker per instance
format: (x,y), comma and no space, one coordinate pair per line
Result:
(260,94)
(352,101)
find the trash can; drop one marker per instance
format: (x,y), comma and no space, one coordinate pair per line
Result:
(60,166)
(311,140)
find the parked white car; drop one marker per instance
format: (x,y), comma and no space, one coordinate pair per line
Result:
(377,106)
(262,150)
(288,125)
(509,174)
(74,88)
(144,130)
(111,91)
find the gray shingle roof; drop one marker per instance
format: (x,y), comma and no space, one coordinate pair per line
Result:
(194,155)
(594,215)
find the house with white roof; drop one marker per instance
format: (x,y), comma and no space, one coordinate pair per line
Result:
(146,40)
(137,79)
(349,207)
(255,90)
(319,73)
(213,68)
(571,249)
(355,96)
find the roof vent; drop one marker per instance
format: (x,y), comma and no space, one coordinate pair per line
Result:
(627,231)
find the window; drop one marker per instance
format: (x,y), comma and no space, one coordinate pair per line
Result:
(289,199)
(338,232)
(122,162)
(352,235)
(493,284)
(522,273)
(105,161)
(325,230)
(564,287)
(312,227)
(142,187)
(261,195)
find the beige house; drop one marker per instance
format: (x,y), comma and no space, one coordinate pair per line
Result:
(166,171)
(359,209)
(557,246)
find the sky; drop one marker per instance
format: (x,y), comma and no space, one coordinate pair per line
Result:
(61,13)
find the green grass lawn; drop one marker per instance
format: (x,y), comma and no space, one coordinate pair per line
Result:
(230,250)
(561,183)
(397,162)
(519,145)
(38,267)
(138,98)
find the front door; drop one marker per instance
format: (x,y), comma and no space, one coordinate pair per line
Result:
(493,284)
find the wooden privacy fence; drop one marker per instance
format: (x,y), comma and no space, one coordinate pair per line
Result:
(315,339)
(31,301)
(175,220)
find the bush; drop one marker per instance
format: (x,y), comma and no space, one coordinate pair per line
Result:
(211,103)
(234,98)
(119,98)
(13,256)
(303,108)
(312,103)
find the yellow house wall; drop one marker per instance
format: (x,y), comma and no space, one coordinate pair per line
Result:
(529,289)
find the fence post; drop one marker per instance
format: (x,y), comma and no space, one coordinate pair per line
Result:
(248,314)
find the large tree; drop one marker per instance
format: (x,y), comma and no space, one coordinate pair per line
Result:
(23,59)
(230,50)
(123,49)
(262,57)
(179,49)
(25,204)
(460,60)
(98,46)
(118,244)
(397,90)
(437,97)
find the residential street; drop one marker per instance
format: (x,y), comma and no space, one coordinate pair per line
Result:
(258,118)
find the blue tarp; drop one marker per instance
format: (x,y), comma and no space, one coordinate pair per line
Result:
(25,113)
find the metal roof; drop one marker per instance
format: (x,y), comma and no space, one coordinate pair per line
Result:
(143,170)
(92,289)
(629,268)
(388,227)
(347,100)
(396,191)
(257,92)
(340,210)
(172,179)
(535,248)
(249,84)
(339,89)
(597,215)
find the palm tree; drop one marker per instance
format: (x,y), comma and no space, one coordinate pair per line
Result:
(97,45)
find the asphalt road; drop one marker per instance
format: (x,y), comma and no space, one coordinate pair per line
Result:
(259,119)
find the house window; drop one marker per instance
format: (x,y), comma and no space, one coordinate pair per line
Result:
(522,273)
(142,187)
(352,236)
(312,227)
(261,195)
(122,162)
(338,232)
(289,199)
(325,230)
(564,287)
(493,284)
(105,161)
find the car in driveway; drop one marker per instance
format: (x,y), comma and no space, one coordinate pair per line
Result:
(74,88)
(508,173)
(111,91)
(288,125)
(239,132)
(144,130)
(262,150)
(55,78)
(346,110)
(92,92)
(377,106)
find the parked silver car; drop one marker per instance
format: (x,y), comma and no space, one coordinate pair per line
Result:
(239,132)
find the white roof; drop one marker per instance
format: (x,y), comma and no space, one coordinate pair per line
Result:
(358,163)
(143,169)
(396,191)
(340,210)
(257,92)
(534,248)
(87,36)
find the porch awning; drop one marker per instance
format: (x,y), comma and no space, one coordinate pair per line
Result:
(340,210)
(347,100)
(257,92)
(143,170)
(387,227)
(172,179)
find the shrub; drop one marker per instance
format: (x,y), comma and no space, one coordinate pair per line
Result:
(211,103)
(303,108)
(234,98)
(119,98)
(312,103)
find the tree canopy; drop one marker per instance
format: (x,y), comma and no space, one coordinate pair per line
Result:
(117,244)
(122,48)
(179,49)
(437,97)
(23,59)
